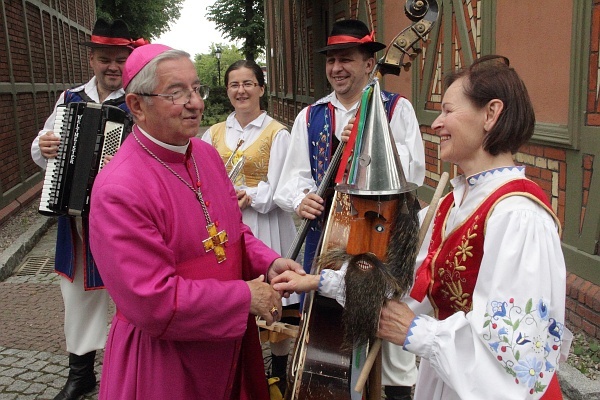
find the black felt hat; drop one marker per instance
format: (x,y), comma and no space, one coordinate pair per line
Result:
(117,34)
(351,33)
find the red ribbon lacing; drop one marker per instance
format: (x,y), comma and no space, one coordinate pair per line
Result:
(118,41)
(339,39)
(422,279)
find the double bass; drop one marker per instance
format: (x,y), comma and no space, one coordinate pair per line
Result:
(360,222)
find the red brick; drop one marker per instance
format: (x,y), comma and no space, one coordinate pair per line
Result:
(7,211)
(588,161)
(546,174)
(574,291)
(587,314)
(562,198)
(536,150)
(596,304)
(555,154)
(583,290)
(593,119)
(588,328)
(562,177)
(576,320)
(534,172)
(570,304)
(591,294)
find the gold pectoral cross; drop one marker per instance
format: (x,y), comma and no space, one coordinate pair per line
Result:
(215,242)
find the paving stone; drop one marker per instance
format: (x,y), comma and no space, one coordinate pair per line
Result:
(6,380)
(31,376)
(8,360)
(13,372)
(35,388)
(18,386)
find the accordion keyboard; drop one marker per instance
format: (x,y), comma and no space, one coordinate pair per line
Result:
(53,171)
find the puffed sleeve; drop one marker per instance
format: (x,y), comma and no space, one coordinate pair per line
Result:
(262,195)
(295,179)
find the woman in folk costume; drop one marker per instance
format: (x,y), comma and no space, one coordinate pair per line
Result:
(263,143)
(493,273)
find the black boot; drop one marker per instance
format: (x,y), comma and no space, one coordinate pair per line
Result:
(81,378)
(398,392)
(279,370)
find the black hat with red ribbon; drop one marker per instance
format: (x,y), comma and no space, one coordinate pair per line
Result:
(351,33)
(116,34)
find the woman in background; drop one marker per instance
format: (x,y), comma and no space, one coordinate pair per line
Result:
(262,142)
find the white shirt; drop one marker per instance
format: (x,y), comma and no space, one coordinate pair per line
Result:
(296,175)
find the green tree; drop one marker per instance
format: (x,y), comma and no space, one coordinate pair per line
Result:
(217,106)
(242,20)
(207,64)
(145,18)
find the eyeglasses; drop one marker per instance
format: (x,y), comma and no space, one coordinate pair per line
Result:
(181,97)
(246,84)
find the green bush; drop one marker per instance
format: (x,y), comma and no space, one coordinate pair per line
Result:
(216,107)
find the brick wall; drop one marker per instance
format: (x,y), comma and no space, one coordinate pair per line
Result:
(583,305)
(39,58)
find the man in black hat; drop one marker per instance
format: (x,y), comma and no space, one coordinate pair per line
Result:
(317,130)
(86,301)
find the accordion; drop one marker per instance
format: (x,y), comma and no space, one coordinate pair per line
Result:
(88,132)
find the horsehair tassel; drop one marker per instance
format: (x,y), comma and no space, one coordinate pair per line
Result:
(370,281)
(374,350)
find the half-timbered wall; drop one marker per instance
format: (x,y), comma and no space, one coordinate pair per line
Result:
(554,47)
(39,57)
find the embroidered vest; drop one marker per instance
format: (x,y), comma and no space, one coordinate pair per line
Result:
(257,154)
(320,122)
(450,270)
(80,95)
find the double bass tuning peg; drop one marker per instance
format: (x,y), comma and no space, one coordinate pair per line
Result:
(416,9)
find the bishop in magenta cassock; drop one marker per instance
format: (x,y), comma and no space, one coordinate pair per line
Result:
(167,235)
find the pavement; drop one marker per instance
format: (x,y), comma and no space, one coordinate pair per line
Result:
(33,359)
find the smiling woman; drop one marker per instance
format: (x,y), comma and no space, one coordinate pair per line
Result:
(251,138)
(504,297)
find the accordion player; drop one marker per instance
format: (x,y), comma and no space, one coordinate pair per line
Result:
(88,133)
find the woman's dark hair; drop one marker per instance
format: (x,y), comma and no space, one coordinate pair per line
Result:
(491,77)
(251,65)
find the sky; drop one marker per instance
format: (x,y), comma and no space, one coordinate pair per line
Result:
(192,32)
